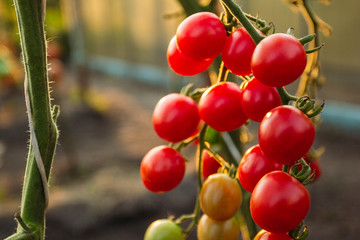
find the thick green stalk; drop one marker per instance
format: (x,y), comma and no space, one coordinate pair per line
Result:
(30,16)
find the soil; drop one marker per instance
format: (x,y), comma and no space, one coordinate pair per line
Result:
(96,191)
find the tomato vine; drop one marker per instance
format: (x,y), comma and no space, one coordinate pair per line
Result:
(276,170)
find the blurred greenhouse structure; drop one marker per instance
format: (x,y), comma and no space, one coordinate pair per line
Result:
(128,39)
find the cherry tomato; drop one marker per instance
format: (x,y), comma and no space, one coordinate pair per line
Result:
(220,107)
(175,117)
(258,99)
(273,236)
(220,197)
(162,169)
(182,64)
(163,229)
(279,202)
(286,134)
(209,229)
(209,165)
(316,169)
(278,60)
(253,166)
(238,51)
(201,36)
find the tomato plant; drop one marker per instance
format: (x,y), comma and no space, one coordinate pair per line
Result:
(162,169)
(209,165)
(278,60)
(265,64)
(220,197)
(220,107)
(209,229)
(279,202)
(201,36)
(253,166)
(175,117)
(238,51)
(183,65)
(258,99)
(163,229)
(286,134)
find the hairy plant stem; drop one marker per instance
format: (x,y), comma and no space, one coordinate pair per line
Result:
(30,16)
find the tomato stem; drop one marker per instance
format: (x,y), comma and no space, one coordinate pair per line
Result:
(241,17)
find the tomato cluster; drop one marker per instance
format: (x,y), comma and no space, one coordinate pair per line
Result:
(279,200)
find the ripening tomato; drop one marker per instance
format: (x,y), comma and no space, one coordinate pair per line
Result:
(201,36)
(258,99)
(163,229)
(209,165)
(278,60)
(238,51)
(286,134)
(253,166)
(175,117)
(162,169)
(273,236)
(220,107)
(182,64)
(209,229)
(279,202)
(220,197)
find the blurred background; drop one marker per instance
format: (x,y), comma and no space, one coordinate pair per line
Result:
(108,70)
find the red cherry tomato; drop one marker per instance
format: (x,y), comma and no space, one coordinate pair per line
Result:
(175,117)
(253,166)
(274,236)
(316,169)
(278,60)
(279,202)
(220,107)
(201,36)
(257,99)
(162,169)
(286,134)
(238,51)
(182,64)
(209,165)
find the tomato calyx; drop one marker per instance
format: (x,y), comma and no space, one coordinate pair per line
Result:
(301,232)
(305,175)
(308,106)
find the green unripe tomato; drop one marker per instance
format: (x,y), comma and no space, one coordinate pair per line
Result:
(163,229)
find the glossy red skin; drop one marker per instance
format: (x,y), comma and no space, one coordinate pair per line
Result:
(175,117)
(274,236)
(279,202)
(238,51)
(162,169)
(258,99)
(209,165)
(278,60)
(201,36)
(286,134)
(220,107)
(182,64)
(253,166)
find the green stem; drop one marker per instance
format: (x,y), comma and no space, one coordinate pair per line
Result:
(241,17)
(285,96)
(30,16)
